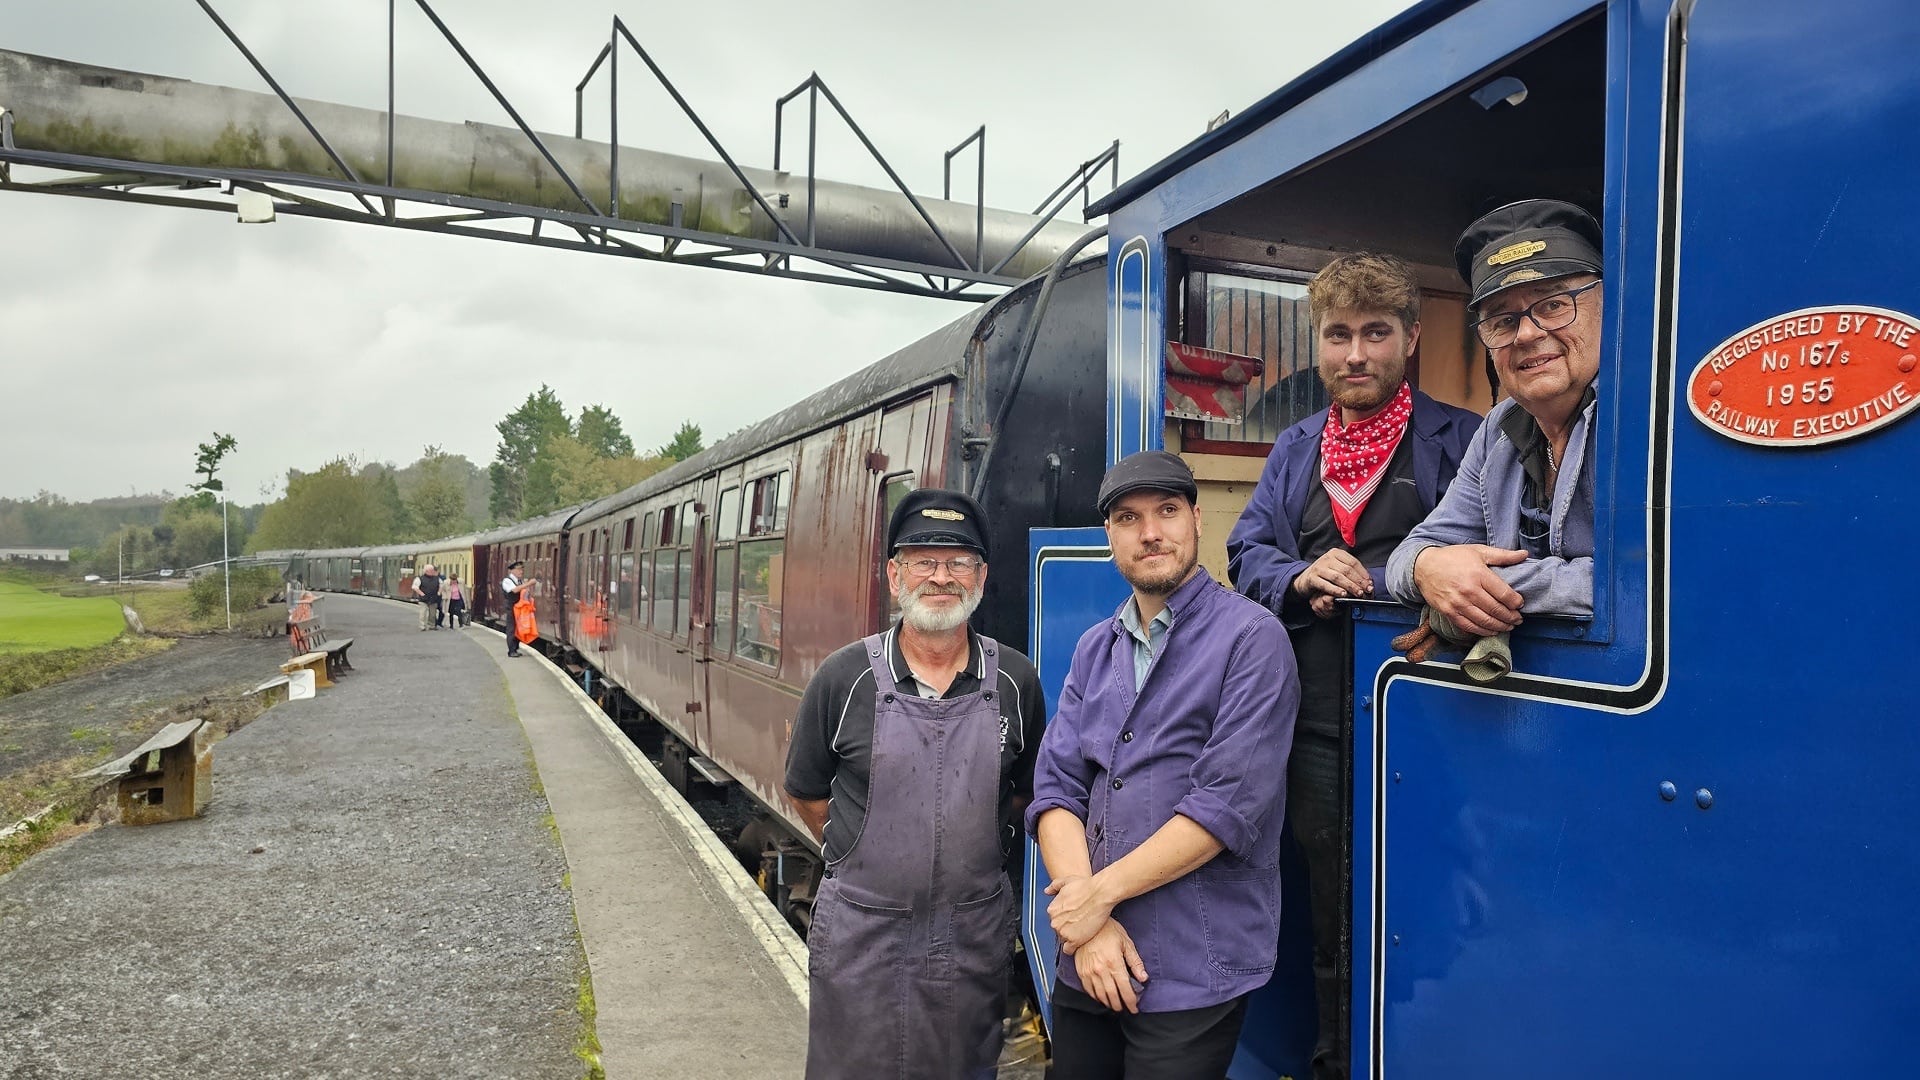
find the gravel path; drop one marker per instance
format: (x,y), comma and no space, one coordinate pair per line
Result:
(373,891)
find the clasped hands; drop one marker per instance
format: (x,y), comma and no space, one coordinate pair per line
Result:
(1102,950)
(1337,575)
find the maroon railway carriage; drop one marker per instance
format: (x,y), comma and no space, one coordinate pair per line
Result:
(711,592)
(541,544)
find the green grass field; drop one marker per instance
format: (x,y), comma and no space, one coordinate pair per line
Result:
(33,621)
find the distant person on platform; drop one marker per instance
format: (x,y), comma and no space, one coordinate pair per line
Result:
(426,587)
(511,587)
(456,601)
(1514,533)
(1340,490)
(911,759)
(1159,798)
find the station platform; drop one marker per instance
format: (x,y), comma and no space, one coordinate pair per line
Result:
(437,866)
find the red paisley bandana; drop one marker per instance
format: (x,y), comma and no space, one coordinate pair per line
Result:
(1354,457)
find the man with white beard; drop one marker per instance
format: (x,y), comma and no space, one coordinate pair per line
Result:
(911,760)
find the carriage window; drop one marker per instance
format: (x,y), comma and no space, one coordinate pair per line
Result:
(683,593)
(767,510)
(761,566)
(648,538)
(664,570)
(628,544)
(666,535)
(644,592)
(723,589)
(686,519)
(896,490)
(623,585)
(728,526)
(1266,319)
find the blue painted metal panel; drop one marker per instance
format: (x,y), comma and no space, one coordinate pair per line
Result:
(1073,585)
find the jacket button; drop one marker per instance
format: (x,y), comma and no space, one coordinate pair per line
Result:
(889,699)
(1126,736)
(1117,783)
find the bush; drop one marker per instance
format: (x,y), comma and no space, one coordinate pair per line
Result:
(251,587)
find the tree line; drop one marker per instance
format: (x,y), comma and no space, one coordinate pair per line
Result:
(547,458)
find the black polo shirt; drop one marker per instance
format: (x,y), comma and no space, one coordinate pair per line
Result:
(832,750)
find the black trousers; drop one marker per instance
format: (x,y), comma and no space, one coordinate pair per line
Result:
(1315,772)
(1092,1042)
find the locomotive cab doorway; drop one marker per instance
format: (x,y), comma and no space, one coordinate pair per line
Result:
(1239,284)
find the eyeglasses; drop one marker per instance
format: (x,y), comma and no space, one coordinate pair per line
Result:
(1553,312)
(959,566)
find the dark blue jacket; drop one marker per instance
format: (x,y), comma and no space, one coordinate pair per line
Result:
(1263,551)
(1206,737)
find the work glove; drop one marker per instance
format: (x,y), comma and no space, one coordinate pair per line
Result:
(1488,658)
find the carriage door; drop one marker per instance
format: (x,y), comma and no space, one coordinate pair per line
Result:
(700,632)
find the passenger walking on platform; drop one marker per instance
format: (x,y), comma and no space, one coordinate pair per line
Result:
(456,601)
(1339,492)
(911,759)
(427,588)
(1514,533)
(511,587)
(1159,798)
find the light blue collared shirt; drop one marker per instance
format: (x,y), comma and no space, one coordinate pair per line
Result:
(1146,643)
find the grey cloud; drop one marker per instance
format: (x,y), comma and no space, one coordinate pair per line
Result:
(133,332)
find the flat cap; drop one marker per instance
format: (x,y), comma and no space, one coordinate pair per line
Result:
(932,517)
(1148,470)
(1524,241)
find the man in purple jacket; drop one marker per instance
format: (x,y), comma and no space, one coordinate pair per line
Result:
(1340,490)
(1158,801)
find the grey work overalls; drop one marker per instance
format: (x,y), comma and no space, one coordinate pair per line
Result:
(913,927)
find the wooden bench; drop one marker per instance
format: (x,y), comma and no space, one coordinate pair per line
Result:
(168,778)
(311,649)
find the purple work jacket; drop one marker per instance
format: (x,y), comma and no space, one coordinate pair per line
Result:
(1207,736)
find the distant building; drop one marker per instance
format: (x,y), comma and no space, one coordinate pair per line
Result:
(33,554)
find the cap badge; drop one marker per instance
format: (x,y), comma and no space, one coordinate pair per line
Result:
(1515,252)
(1519,276)
(943,515)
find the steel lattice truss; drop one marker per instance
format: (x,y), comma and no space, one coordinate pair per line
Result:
(596,225)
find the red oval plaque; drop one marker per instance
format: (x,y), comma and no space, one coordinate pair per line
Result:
(1817,375)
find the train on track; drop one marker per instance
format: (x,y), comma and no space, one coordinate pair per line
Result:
(1679,835)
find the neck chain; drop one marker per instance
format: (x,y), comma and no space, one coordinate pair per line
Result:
(1552,465)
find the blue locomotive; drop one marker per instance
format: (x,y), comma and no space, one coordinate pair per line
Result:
(1676,837)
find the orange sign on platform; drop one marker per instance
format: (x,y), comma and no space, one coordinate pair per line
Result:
(1813,376)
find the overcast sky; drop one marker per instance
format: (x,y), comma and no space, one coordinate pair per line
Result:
(132,333)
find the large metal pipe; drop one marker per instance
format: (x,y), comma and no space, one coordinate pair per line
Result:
(59,106)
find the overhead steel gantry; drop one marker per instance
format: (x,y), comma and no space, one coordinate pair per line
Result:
(111,134)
